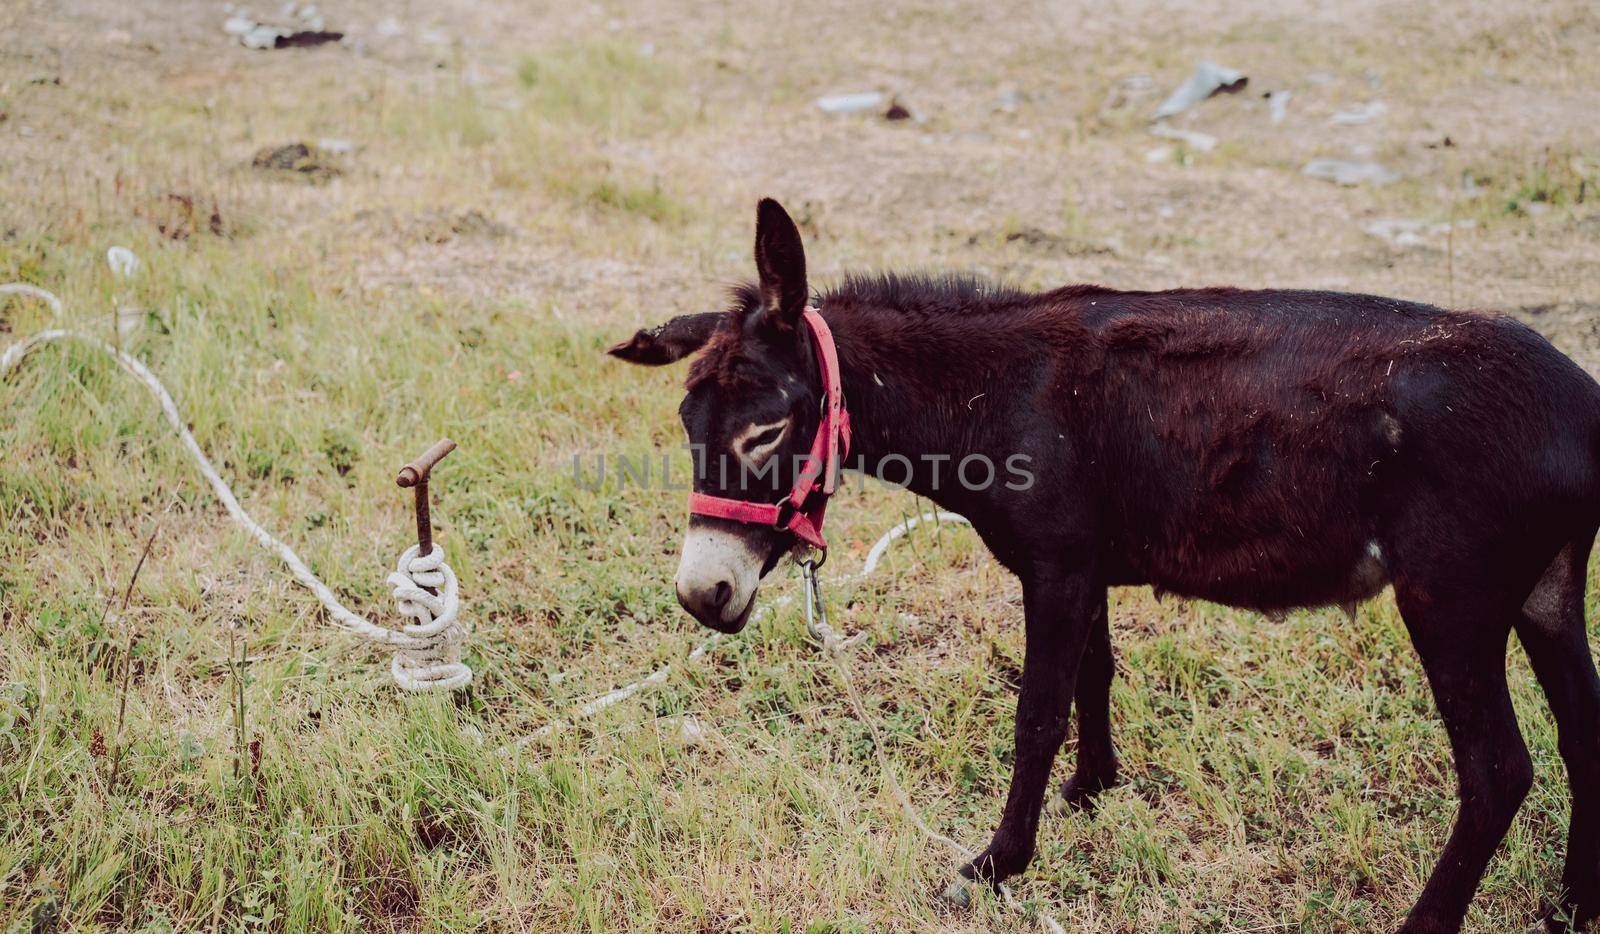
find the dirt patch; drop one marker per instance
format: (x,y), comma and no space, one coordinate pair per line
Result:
(297,160)
(180,216)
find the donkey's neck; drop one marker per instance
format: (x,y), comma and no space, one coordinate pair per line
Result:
(922,396)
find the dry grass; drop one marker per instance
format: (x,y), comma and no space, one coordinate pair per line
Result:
(525,186)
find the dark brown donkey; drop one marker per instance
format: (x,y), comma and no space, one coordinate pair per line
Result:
(1265,450)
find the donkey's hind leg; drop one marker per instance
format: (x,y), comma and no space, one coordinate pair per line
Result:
(1097,758)
(1461,638)
(1554,635)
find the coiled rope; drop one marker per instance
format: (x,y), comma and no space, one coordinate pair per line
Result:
(427,651)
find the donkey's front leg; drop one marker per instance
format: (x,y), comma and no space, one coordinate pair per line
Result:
(1059,606)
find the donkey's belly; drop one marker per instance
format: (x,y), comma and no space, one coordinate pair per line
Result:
(1266,575)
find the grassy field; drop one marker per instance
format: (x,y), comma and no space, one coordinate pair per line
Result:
(526,184)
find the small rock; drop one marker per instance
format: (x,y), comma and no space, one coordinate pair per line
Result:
(691,731)
(260,37)
(849,103)
(959,892)
(1208,80)
(1347,172)
(897,111)
(336,146)
(308,29)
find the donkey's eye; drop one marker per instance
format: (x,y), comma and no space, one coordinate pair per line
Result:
(757,442)
(766,436)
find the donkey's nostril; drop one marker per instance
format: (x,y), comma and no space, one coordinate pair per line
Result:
(721,596)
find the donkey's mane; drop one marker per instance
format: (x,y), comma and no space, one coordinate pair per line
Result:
(922,293)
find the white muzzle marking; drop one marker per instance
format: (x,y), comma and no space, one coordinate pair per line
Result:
(718,573)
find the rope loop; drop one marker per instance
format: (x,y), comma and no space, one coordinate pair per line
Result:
(425,589)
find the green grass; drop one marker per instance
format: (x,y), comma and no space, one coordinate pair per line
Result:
(267,774)
(1276,773)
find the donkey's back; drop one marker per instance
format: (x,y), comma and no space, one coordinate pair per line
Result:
(1284,448)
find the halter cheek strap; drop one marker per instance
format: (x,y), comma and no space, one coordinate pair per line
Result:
(830,446)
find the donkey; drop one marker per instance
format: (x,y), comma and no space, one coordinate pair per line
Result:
(1260,449)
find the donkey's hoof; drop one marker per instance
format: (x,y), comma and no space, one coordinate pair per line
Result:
(958,894)
(1078,794)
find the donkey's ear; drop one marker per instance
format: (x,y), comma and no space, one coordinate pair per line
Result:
(781,264)
(670,342)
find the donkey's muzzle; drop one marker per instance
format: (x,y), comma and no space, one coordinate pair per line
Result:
(711,607)
(718,574)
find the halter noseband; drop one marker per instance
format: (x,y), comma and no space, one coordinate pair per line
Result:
(828,449)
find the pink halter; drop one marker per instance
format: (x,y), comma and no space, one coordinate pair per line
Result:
(828,448)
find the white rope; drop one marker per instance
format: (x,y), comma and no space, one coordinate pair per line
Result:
(428,655)
(435,662)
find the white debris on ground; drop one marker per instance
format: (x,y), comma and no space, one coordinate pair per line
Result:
(1209,79)
(1357,116)
(1410,231)
(850,103)
(1278,105)
(1350,173)
(122,261)
(1200,142)
(124,264)
(305,26)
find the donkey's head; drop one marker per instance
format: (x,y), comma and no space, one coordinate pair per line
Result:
(750,410)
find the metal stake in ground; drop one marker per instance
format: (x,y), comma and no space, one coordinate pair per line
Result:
(425,589)
(415,474)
